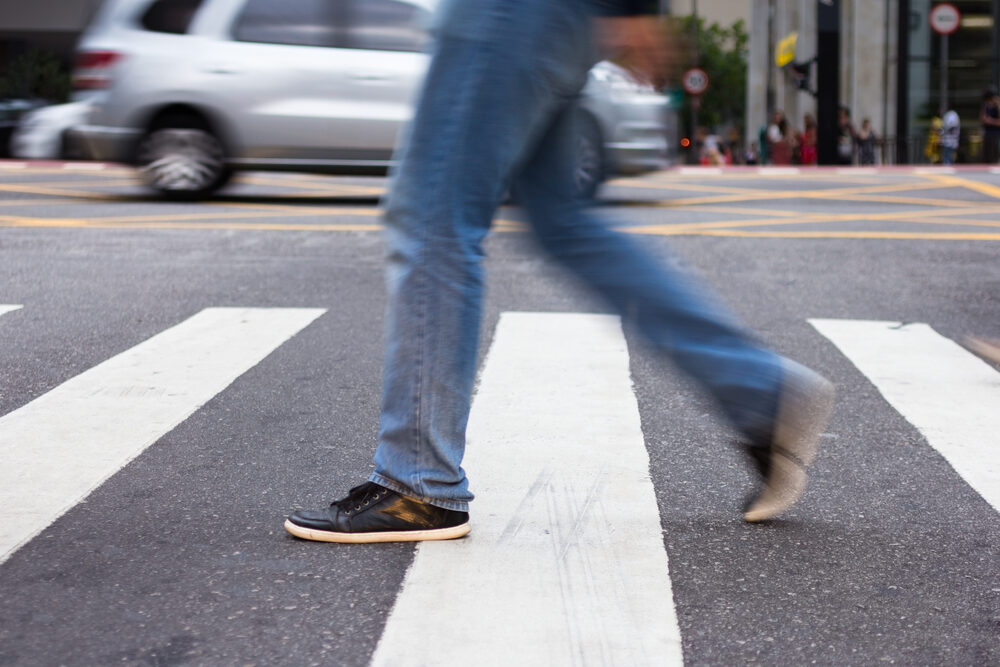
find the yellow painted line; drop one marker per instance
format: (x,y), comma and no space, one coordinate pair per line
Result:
(738,210)
(758,195)
(60,192)
(314,187)
(35,202)
(959,222)
(917,236)
(508,226)
(976,186)
(8,221)
(805,219)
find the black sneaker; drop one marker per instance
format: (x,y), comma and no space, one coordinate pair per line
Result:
(804,408)
(373,513)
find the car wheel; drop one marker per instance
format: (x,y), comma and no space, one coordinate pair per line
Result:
(589,172)
(183,162)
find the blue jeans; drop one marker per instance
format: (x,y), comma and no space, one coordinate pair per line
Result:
(496,114)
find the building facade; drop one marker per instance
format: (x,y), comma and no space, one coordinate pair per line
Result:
(895,70)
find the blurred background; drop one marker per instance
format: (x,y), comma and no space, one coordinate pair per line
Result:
(760,56)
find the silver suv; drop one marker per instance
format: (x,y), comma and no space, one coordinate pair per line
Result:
(193,90)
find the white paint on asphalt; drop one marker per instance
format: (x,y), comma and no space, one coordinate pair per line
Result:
(700,171)
(779,171)
(84,166)
(949,394)
(64,444)
(7,308)
(930,171)
(565,564)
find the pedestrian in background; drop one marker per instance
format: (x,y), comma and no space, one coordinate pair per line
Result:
(866,141)
(845,137)
(808,139)
(990,119)
(780,139)
(951,129)
(495,115)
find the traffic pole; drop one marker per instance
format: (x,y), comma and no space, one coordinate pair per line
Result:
(827,79)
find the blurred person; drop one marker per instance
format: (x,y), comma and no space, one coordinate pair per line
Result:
(807,142)
(951,129)
(866,140)
(989,116)
(734,143)
(780,139)
(712,151)
(845,137)
(496,113)
(932,146)
(752,155)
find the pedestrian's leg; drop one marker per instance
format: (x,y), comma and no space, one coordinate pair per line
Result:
(501,69)
(487,99)
(678,316)
(779,406)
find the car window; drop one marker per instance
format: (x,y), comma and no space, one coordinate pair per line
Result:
(300,22)
(170,15)
(387,25)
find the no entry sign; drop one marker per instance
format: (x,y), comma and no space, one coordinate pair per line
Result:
(945,18)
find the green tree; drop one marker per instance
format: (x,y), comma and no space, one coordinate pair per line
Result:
(37,73)
(722,53)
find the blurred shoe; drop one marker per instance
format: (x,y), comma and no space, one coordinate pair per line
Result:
(990,349)
(373,513)
(804,408)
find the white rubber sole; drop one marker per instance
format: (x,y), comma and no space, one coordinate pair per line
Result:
(382,536)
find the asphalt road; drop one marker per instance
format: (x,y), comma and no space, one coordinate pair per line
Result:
(179,556)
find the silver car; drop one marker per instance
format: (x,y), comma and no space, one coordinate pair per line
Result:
(193,90)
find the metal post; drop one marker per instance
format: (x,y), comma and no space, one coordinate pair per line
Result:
(696,100)
(903,83)
(944,75)
(995,70)
(827,78)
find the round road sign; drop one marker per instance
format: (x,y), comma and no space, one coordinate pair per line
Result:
(945,18)
(695,81)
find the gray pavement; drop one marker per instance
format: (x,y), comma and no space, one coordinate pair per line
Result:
(179,557)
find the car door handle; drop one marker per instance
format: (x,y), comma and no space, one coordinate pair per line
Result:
(223,69)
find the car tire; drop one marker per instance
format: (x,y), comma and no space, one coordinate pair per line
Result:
(182,160)
(589,170)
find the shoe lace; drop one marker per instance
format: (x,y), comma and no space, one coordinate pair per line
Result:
(360,497)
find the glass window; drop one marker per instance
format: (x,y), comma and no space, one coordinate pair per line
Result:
(962,72)
(299,22)
(388,25)
(172,16)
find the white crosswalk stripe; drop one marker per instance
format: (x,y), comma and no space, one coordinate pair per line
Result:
(951,396)
(566,563)
(61,446)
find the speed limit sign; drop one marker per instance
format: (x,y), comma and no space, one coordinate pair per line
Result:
(695,81)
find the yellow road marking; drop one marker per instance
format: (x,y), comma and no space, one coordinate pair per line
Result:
(916,236)
(982,188)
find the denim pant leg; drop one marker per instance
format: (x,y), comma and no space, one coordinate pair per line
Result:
(676,314)
(490,93)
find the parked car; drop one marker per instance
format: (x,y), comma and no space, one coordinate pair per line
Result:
(12,112)
(193,90)
(43,133)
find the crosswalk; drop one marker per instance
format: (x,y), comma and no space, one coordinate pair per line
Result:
(566,563)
